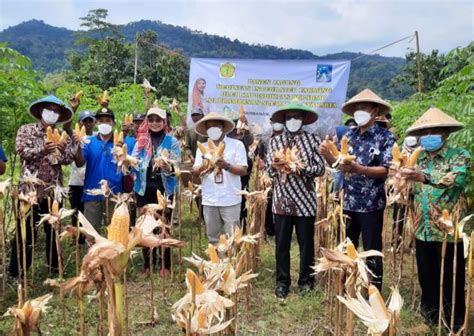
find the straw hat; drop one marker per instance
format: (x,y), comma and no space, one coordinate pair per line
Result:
(36,108)
(201,128)
(434,118)
(365,96)
(309,115)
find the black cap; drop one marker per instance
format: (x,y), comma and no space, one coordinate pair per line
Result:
(138,117)
(104,111)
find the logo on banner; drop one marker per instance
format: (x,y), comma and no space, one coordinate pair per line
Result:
(227,70)
(324,73)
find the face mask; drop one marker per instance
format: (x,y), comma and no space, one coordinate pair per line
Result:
(277,127)
(362,118)
(293,125)
(104,129)
(410,141)
(432,142)
(214,133)
(49,117)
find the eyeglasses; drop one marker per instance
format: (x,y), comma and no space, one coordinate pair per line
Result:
(154,120)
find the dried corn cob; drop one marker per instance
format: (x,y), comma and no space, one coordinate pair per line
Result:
(194,282)
(351,251)
(445,214)
(332,148)
(411,162)
(220,149)
(210,145)
(164,153)
(396,153)
(202,148)
(49,133)
(117,231)
(344,145)
(56,136)
(55,209)
(63,137)
(78,95)
(377,303)
(212,251)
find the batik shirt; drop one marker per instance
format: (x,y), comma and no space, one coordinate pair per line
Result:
(295,194)
(30,141)
(447,173)
(372,149)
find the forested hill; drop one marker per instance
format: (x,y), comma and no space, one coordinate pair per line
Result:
(47,45)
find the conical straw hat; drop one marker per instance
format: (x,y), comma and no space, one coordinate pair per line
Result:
(432,118)
(201,128)
(365,96)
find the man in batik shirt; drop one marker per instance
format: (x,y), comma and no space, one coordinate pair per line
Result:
(294,195)
(45,159)
(364,177)
(441,181)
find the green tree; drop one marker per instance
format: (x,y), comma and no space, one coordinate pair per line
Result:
(97,27)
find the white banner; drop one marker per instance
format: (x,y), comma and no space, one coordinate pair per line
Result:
(222,85)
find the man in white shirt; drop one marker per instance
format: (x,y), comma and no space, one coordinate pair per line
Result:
(220,199)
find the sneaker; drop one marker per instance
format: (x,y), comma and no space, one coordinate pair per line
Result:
(281,292)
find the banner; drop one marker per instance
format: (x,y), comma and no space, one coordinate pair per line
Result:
(222,85)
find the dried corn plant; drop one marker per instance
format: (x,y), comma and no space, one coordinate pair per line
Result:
(164,160)
(211,154)
(288,161)
(375,314)
(27,316)
(242,123)
(4,187)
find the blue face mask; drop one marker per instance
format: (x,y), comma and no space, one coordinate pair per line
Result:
(432,142)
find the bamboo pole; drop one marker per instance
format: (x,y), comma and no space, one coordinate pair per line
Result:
(470,281)
(441,283)
(455,262)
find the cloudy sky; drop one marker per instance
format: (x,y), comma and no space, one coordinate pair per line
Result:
(319,26)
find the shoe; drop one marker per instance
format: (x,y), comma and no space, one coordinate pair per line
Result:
(165,273)
(305,289)
(281,292)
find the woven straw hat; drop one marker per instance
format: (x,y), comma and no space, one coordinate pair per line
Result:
(365,96)
(309,115)
(201,128)
(434,118)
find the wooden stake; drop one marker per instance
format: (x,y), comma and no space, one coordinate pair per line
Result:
(441,283)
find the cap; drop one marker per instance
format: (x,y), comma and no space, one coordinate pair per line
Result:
(86,114)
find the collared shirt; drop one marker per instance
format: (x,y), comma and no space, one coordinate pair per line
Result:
(225,193)
(30,141)
(191,139)
(447,173)
(100,165)
(372,149)
(296,196)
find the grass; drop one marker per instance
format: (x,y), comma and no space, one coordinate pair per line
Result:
(266,316)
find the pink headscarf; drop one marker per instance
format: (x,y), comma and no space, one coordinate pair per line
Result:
(144,138)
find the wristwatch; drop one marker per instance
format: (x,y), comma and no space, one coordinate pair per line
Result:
(228,167)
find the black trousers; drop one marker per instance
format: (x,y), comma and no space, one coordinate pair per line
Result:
(304,227)
(31,235)
(269,220)
(428,261)
(370,224)
(75,196)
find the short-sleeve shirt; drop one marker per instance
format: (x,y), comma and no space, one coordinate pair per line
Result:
(100,165)
(372,149)
(225,193)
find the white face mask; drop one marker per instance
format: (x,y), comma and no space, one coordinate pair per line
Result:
(104,129)
(293,125)
(49,117)
(277,127)
(411,141)
(214,133)
(362,117)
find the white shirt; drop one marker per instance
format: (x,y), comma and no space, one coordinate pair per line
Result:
(225,193)
(76,178)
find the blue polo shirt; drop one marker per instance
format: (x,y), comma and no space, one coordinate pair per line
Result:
(100,165)
(130,141)
(3,157)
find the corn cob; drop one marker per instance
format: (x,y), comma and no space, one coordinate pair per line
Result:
(63,137)
(124,150)
(56,136)
(118,137)
(332,148)
(396,153)
(220,150)
(344,145)
(190,186)
(351,251)
(164,153)
(445,215)
(78,95)
(117,231)
(211,146)
(194,282)
(159,197)
(411,162)
(104,98)
(49,133)
(377,303)
(202,148)
(212,251)
(55,209)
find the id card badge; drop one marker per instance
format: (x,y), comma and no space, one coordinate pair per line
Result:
(218,177)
